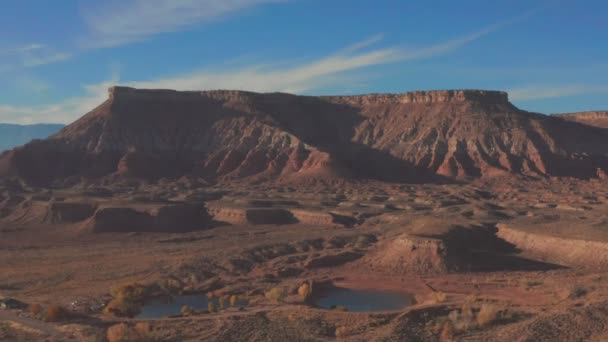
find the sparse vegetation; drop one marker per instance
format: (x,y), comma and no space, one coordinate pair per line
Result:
(35,309)
(573,292)
(234,300)
(55,313)
(141,332)
(276,294)
(439,297)
(343,331)
(305,292)
(223,302)
(487,315)
(468,318)
(127,300)
(533,283)
(212,307)
(186,310)
(578,291)
(447,333)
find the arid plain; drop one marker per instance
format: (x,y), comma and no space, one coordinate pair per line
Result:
(491,219)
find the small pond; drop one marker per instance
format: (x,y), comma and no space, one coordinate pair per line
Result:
(170,306)
(362,300)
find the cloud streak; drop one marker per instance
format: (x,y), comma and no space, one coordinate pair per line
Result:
(30,56)
(115,23)
(309,76)
(303,77)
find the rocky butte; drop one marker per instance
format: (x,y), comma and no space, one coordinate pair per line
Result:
(229,135)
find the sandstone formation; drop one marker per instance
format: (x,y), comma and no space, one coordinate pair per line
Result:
(596,118)
(170,218)
(226,135)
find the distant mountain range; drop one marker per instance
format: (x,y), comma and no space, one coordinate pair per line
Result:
(15,135)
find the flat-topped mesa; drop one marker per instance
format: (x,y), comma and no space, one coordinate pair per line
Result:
(133,94)
(592,118)
(586,115)
(428,97)
(432,96)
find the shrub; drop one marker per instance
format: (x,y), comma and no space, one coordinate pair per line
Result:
(305,292)
(130,292)
(121,307)
(487,315)
(123,333)
(447,333)
(223,301)
(439,297)
(127,299)
(55,313)
(233,300)
(577,291)
(35,309)
(211,307)
(186,310)
(276,294)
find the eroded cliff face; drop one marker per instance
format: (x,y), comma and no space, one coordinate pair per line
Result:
(594,118)
(225,135)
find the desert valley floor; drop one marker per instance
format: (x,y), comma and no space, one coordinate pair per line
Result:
(536,253)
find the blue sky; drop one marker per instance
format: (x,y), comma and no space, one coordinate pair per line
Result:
(58,57)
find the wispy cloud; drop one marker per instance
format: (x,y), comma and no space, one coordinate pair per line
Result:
(21,49)
(539,92)
(116,22)
(37,60)
(303,77)
(61,112)
(29,56)
(309,76)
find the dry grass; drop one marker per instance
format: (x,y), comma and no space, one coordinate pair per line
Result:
(487,315)
(439,297)
(305,292)
(276,294)
(343,331)
(141,332)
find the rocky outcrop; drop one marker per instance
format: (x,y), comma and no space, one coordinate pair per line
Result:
(409,254)
(428,97)
(237,215)
(597,118)
(557,250)
(66,212)
(226,135)
(170,218)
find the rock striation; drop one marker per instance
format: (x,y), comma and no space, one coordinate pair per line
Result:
(228,135)
(596,118)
